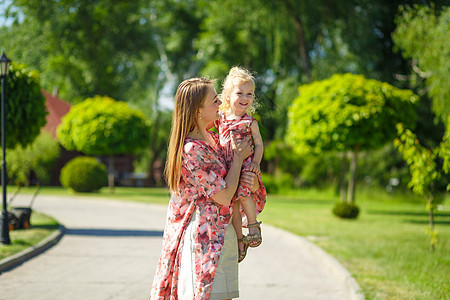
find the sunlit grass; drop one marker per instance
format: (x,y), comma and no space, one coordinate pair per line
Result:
(386,248)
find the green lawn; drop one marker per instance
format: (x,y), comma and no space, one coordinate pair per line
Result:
(386,248)
(42,226)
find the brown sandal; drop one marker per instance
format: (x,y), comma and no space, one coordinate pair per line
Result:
(254,240)
(243,253)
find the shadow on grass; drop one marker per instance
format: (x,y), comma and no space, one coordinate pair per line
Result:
(442,218)
(436,222)
(114,232)
(20,242)
(407,213)
(49,227)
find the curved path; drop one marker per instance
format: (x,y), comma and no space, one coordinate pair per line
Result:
(110,251)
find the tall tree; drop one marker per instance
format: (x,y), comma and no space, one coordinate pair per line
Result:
(347,113)
(83,48)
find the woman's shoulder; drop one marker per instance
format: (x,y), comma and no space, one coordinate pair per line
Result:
(196,146)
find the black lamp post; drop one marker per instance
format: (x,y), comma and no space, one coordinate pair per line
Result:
(4,224)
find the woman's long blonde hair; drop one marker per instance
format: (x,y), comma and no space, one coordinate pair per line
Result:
(190,96)
(236,76)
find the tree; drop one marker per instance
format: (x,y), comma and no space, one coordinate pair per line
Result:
(84,48)
(424,168)
(102,126)
(347,113)
(25,106)
(38,157)
(422,34)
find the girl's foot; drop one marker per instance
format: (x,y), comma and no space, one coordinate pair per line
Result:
(242,246)
(254,236)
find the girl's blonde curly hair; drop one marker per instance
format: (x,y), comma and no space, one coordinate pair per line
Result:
(236,76)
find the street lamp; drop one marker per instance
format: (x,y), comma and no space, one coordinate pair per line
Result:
(4,224)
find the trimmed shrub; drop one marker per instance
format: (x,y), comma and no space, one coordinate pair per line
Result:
(346,210)
(84,174)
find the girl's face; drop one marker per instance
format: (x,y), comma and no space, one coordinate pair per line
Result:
(241,97)
(209,111)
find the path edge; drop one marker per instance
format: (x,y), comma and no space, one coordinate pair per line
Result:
(342,274)
(13,261)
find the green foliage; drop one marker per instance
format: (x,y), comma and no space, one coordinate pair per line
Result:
(277,184)
(102,126)
(422,161)
(84,48)
(424,169)
(84,175)
(347,112)
(423,33)
(346,210)
(305,170)
(24,106)
(39,157)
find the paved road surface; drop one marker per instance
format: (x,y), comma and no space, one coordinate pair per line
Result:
(110,251)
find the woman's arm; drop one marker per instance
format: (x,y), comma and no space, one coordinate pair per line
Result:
(241,151)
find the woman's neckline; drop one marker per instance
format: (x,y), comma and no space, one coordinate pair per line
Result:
(204,141)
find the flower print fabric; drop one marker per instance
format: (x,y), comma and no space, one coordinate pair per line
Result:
(202,175)
(240,128)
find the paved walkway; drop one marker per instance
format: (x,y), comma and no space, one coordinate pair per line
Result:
(110,251)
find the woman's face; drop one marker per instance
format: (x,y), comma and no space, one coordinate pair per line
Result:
(209,111)
(241,97)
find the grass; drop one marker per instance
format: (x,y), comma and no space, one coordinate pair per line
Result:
(42,226)
(386,248)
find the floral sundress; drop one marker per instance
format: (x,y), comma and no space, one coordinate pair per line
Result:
(241,128)
(202,175)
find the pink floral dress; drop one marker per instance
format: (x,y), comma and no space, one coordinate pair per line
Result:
(241,128)
(202,175)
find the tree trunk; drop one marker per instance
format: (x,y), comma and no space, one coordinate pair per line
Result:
(343,181)
(431,221)
(303,49)
(352,181)
(111,173)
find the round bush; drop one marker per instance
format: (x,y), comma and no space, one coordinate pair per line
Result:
(84,174)
(346,210)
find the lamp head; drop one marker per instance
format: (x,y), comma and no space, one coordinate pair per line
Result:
(4,65)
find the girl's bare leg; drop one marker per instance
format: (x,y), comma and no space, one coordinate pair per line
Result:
(254,237)
(250,211)
(237,223)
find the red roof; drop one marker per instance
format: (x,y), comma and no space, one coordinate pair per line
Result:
(56,108)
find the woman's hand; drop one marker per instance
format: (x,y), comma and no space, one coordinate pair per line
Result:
(250,180)
(243,149)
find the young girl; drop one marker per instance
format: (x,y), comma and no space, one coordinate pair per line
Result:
(235,124)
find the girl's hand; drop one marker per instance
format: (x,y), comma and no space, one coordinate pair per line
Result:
(254,167)
(243,149)
(249,179)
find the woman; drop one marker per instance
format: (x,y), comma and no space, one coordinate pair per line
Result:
(199,255)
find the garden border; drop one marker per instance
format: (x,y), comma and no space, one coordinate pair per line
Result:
(17,259)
